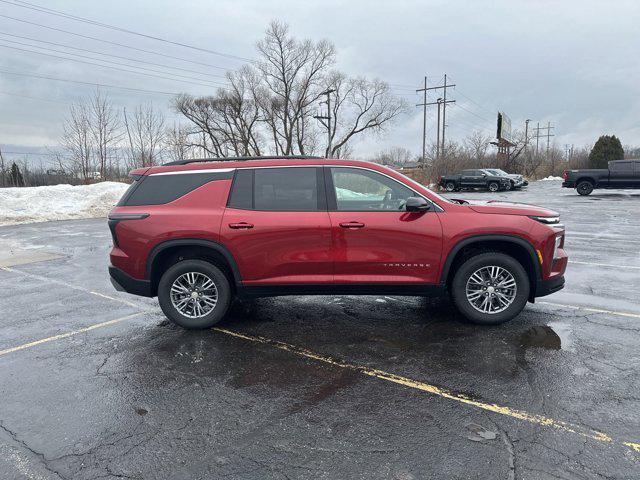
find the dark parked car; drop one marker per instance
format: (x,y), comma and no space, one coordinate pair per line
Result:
(620,174)
(476,178)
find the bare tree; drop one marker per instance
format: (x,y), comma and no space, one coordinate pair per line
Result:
(477,145)
(177,142)
(3,174)
(269,105)
(227,121)
(359,106)
(77,140)
(105,131)
(394,156)
(292,76)
(145,133)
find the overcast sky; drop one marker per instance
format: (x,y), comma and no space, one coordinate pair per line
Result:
(573,63)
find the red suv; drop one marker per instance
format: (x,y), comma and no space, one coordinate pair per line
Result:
(198,233)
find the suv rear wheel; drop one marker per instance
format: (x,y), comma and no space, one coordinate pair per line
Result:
(450,186)
(490,288)
(194,294)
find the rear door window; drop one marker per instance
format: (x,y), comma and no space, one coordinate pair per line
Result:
(284,189)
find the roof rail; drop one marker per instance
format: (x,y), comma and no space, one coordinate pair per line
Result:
(239,159)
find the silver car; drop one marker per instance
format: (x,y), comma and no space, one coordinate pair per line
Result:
(517,181)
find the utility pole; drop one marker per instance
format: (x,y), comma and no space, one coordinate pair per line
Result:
(526,133)
(424,122)
(327,117)
(444,110)
(548,128)
(440,101)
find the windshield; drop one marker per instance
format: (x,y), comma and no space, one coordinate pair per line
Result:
(497,171)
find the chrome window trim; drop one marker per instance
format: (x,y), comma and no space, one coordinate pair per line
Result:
(185,172)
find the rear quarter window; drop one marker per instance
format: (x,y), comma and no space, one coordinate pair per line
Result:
(160,189)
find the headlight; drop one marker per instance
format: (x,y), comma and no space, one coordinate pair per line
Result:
(546,220)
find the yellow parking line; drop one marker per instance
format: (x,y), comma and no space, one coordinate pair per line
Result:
(432,389)
(593,310)
(69,334)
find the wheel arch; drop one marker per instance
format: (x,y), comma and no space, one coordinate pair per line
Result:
(168,252)
(519,248)
(592,180)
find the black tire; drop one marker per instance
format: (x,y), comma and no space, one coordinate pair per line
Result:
(450,186)
(493,187)
(584,187)
(196,266)
(472,265)
(509,186)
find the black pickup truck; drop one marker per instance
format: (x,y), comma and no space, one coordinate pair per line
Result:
(620,174)
(476,178)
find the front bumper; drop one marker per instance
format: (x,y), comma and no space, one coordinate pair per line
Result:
(123,282)
(547,287)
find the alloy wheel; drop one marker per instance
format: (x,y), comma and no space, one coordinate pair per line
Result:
(194,294)
(491,289)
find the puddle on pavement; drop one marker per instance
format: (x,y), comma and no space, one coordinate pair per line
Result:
(551,337)
(478,433)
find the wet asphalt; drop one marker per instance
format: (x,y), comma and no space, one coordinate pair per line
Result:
(323,387)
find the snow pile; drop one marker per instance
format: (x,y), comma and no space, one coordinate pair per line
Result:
(551,179)
(58,202)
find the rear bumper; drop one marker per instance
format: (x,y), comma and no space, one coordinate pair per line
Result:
(568,184)
(547,287)
(126,283)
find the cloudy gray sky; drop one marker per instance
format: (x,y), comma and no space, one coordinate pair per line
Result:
(574,63)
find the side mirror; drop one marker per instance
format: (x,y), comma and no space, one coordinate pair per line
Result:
(484,174)
(417,204)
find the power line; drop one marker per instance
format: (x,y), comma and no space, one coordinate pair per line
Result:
(112,43)
(92,84)
(107,66)
(473,113)
(108,54)
(58,13)
(485,109)
(33,98)
(213,82)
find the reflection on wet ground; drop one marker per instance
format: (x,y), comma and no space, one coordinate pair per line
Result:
(551,337)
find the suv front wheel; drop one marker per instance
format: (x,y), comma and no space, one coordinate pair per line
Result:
(490,288)
(194,294)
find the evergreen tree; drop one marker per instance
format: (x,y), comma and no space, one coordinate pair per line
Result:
(15,176)
(607,148)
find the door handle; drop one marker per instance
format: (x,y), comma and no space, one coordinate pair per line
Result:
(352,225)
(240,226)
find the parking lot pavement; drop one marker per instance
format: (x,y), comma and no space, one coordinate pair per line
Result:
(96,384)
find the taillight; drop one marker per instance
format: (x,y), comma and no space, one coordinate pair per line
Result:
(115,218)
(565,174)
